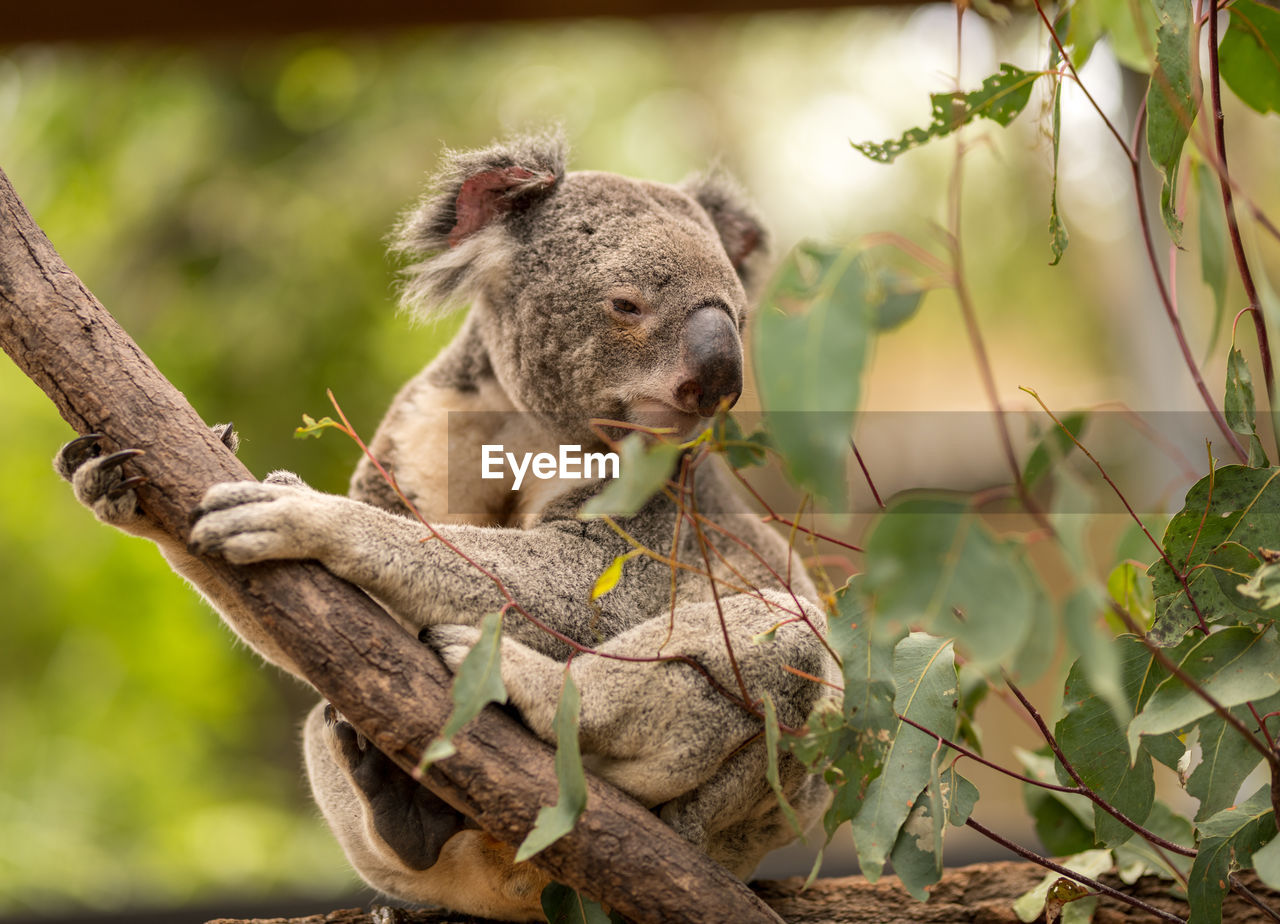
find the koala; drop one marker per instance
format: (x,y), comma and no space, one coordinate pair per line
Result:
(593,297)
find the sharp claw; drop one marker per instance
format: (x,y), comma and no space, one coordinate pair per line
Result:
(119,458)
(330,714)
(77,452)
(126,485)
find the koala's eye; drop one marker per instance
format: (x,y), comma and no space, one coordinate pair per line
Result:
(622,306)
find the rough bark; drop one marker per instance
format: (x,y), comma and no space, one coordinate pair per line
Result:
(978,894)
(394,690)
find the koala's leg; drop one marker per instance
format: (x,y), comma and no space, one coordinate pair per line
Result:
(404,841)
(101,485)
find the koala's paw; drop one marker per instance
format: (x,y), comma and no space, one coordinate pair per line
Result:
(98,481)
(451,642)
(249,521)
(412,821)
(226,434)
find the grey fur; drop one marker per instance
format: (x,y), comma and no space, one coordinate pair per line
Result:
(553,263)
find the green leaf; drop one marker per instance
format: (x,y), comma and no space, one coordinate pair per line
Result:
(771,768)
(1089,637)
(312,427)
(1249,55)
(1228,515)
(1063,821)
(1227,759)
(849,744)
(1053,447)
(1131,27)
(1094,742)
(1136,857)
(1170,106)
(1266,863)
(1264,585)
(555,821)
(1058,237)
(1238,407)
(1001,97)
(1213,245)
(644,465)
(1233,666)
(813,317)
(926,687)
(932,562)
(1092,863)
(1227,842)
(477,683)
(743,451)
(917,854)
(562,905)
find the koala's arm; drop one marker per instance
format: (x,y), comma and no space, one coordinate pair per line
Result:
(100,484)
(424,580)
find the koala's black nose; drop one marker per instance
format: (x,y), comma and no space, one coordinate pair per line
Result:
(712,369)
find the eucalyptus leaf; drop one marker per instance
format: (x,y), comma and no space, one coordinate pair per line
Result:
(924,668)
(1213,245)
(1228,515)
(1227,841)
(917,855)
(1000,98)
(1263,585)
(555,821)
(644,466)
(1232,666)
(477,683)
(1238,407)
(932,562)
(563,905)
(1094,742)
(1171,107)
(1249,55)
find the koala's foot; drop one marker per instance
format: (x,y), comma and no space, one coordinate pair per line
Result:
(410,819)
(98,481)
(250,521)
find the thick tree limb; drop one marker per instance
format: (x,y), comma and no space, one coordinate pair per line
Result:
(394,690)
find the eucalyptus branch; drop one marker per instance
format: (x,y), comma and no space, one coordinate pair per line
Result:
(1073,876)
(866,474)
(1189,682)
(1233,227)
(774,516)
(1248,895)
(1179,573)
(1083,788)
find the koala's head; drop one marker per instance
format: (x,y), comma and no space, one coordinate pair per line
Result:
(595,295)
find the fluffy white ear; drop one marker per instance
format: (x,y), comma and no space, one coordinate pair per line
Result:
(455,229)
(742,233)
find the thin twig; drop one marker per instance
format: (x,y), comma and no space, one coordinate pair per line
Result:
(1073,876)
(1244,892)
(866,474)
(1233,227)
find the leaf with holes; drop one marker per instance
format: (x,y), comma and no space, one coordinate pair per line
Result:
(924,668)
(917,856)
(1228,515)
(1000,98)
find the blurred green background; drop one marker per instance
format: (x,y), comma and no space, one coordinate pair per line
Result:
(229,204)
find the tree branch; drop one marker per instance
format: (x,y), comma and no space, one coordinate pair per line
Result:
(393,689)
